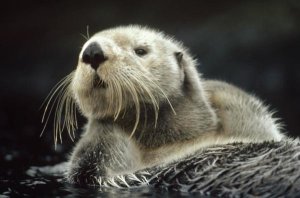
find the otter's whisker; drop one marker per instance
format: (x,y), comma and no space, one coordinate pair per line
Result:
(75,116)
(87,36)
(87,32)
(110,97)
(54,90)
(164,94)
(69,116)
(132,90)
(146,86)
(60,96)
(58,89)
(58,112)
(119,94)
(73,119)
(66,104)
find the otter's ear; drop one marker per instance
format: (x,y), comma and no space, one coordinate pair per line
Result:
(178,56)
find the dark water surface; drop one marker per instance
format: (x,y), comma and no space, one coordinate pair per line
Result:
(55,187)
(47,186)
(48,181)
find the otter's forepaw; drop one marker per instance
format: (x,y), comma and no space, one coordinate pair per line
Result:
(84,175)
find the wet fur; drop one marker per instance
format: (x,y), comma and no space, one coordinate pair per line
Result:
(268,169)
(156,109)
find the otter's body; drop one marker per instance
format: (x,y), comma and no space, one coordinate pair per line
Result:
(146,105)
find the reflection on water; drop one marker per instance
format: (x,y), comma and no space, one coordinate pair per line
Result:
(53,186)
(48,181)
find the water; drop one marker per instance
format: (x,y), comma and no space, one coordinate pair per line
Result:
(48,181)
(21,180)
(30,166)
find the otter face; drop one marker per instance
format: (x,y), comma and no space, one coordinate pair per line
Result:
(126,67)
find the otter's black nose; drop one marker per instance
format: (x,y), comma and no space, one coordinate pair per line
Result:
(93,55)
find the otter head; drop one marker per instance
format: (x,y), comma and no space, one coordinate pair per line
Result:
(127,67)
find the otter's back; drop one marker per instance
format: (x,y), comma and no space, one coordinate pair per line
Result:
(242,116)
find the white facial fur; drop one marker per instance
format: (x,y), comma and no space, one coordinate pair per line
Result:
(144,74)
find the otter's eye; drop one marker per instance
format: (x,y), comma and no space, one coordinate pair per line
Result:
(140,51)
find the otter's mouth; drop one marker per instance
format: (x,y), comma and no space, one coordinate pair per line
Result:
(99,83)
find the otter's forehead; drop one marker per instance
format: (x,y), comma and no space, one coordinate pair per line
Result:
(131,35)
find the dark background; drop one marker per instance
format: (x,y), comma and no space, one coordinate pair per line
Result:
(253,44)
